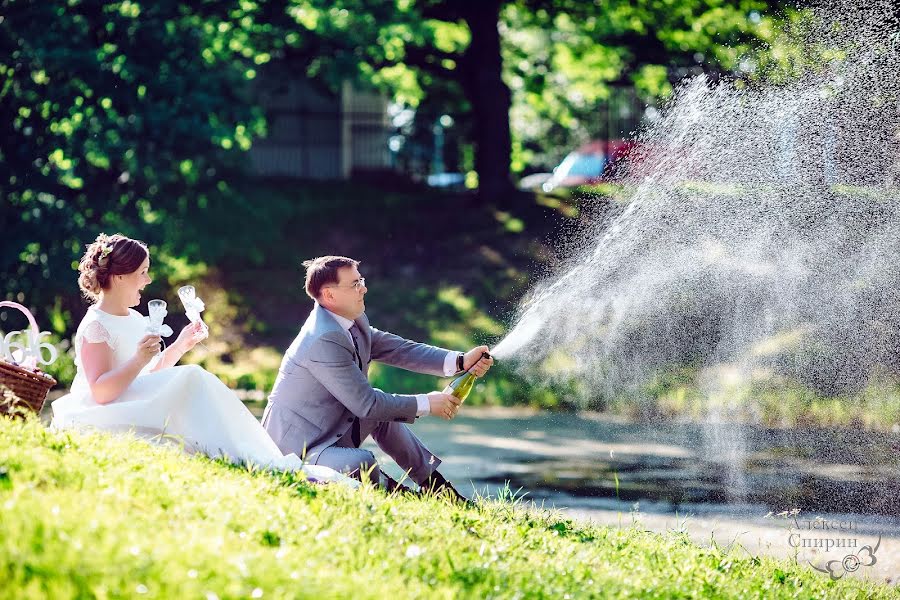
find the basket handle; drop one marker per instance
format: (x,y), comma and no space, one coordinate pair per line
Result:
(25,311)
(30,362)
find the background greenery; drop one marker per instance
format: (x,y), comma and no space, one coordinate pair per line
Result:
(131,117)
(135,117)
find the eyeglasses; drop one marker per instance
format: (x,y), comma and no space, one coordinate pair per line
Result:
(359,283)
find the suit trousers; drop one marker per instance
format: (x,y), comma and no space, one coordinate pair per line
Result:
(395,439)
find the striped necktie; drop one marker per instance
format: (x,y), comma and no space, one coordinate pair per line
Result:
(355,435)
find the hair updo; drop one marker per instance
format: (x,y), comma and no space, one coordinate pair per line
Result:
(108,256)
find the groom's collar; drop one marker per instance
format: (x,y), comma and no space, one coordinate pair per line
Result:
(342,321)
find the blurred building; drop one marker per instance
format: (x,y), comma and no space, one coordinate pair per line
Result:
(320,135)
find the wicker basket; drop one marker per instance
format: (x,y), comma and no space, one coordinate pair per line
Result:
(21,389)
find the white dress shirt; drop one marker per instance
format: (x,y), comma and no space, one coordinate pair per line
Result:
(423,407)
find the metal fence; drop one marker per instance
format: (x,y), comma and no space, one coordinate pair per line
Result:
(618,118)
(322,145)
(312,135)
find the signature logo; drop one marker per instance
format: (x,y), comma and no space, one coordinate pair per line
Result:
(864,557)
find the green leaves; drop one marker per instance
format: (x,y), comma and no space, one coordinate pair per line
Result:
(565,62)
(102,106)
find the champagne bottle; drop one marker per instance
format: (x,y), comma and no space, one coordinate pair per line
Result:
(462,385)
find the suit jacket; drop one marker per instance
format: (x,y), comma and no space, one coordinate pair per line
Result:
(320,387)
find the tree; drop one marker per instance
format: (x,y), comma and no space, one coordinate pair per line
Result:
(113,116)
(564,59)
(473,53)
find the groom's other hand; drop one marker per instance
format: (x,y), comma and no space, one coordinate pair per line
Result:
(443,405)
(481,365)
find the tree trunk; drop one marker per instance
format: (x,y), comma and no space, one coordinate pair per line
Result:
(482,82)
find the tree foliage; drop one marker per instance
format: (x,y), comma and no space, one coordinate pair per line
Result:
(114,116)
(133,116)
(553,63)
(565,59)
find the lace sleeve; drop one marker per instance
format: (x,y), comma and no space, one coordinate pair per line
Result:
(96,333)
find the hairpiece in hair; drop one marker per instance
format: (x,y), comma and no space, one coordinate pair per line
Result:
(104,252)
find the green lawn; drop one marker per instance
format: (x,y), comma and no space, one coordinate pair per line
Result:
(106,517)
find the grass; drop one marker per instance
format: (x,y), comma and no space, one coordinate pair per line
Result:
(97,516)
(769,400)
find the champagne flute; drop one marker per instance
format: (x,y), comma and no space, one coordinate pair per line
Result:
(193,306)
(157,311)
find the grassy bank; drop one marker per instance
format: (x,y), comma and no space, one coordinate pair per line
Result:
(98,516)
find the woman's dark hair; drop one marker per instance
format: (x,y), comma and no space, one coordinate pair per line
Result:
(108,256)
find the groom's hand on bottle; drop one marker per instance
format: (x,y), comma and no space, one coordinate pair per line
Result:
(474,360)
(147,348)
(443,405)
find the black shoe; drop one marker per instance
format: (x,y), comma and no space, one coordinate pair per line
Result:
(437,485)
(392,486)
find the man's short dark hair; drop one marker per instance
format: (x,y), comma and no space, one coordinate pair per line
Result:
(323,270)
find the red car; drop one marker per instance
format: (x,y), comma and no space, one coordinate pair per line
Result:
(593,162)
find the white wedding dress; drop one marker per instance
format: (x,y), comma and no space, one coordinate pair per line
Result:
(185,404)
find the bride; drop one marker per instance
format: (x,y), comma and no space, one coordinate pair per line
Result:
(125,383)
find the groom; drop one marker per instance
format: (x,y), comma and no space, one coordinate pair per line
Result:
(322,405)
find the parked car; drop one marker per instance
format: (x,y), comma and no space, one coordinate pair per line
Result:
(593,162)
(453,181)
(534,181)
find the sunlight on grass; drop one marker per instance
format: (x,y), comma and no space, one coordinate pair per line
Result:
(780,343)
(509,222)
(102,516)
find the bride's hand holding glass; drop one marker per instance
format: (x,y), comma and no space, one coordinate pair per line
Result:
(191,335)
(147,348)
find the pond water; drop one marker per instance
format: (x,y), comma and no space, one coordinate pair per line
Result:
(671,465)
(673,476)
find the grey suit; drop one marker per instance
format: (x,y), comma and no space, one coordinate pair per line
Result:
(323,385)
